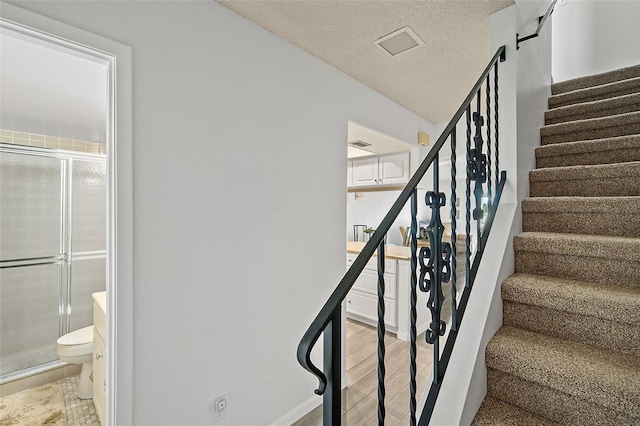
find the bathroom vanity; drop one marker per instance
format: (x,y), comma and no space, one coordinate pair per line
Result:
(99,339)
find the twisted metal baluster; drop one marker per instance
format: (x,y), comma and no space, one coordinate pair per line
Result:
(489,140)
(479,171)
(467,283)
(381,330)
(414,300)
(454,279)
(495,105)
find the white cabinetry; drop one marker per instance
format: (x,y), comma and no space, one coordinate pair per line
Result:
(99,366)
(362,300)
(384,170)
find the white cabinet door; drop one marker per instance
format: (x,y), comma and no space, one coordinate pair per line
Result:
(366,306)
(349,174)
(365,172)
(99,375)
(394,169)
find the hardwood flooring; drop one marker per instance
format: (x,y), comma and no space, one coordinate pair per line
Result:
(360,399)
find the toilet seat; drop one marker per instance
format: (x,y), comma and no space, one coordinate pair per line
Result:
(76,343)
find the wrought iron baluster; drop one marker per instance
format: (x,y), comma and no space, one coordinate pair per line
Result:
(414,301)
(479,171)
(438,268)
(495,105)
(331,399)
(454,278)
(467,282)
(488,98)
(381,330)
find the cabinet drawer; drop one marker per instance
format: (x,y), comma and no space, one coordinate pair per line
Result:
(366,305)
(368,282)
(390,265)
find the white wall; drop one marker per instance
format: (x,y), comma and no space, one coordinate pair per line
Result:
(227,275)
(591,37)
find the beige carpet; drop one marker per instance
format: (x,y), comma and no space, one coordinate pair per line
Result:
(43,405)
(569,349)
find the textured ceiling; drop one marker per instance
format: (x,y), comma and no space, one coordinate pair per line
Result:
(431,80)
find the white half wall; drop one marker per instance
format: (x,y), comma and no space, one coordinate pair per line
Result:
(524,89)
(592,37)
(239,207)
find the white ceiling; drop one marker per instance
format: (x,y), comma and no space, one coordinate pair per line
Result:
(46,89)
(380,143)
(431,80)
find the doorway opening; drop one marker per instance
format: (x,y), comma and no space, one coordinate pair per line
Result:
(57,215)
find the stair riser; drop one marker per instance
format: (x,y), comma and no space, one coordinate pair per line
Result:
(550,403)
(581,268)
(552,118)
(579,328)
(587,223)
(595,95)
(589,158)
(589,187)
(609,131)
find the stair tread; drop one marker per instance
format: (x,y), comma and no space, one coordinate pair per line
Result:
(553,404)
(590,124)
(611,302)
(598,107)
(612,205)
(590,171)
(602,91)
(603,246)
(602,376)
(595,80)
(588,146)
(496,412)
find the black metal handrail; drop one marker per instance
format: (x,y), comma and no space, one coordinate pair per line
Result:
(433,273)
(541,21)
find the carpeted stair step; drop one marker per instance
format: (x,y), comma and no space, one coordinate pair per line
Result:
(594,109)
(603,180)
(598,151)
(605,316)
(494,412)
(593,128)
(616,216)
(552,404)
(595,80)
(595,93)
(590,258)
(599,376)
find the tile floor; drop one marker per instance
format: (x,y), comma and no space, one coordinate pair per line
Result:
(79,411)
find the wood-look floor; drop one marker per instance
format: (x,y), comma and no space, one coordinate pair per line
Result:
(360,399)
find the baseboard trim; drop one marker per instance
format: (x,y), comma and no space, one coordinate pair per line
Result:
(300,411)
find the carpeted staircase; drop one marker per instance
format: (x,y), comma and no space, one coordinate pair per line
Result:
(569,349)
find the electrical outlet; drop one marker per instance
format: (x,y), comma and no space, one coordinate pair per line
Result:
(219,408)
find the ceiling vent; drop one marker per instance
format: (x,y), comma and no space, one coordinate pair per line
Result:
(359,144)
(399,41)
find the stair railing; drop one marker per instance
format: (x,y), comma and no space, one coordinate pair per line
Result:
(438,263)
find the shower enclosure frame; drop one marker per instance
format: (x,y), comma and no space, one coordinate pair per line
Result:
(67,255)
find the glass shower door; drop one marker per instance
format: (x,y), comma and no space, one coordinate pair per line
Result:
(32,259)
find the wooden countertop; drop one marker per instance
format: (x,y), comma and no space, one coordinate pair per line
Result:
(399,252)
(391,252)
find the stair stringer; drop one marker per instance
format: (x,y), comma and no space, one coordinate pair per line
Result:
(465,383)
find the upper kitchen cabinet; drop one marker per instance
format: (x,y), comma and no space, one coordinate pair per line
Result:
(387,170)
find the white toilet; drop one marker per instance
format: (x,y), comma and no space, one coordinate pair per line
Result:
(77,348)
